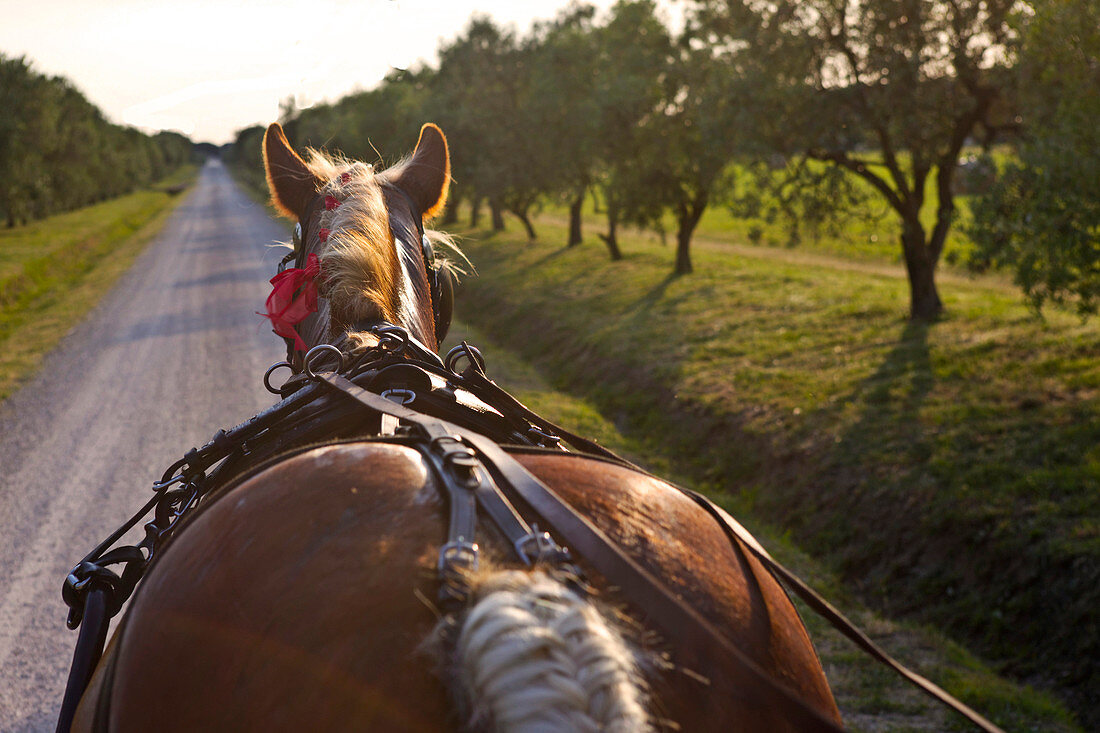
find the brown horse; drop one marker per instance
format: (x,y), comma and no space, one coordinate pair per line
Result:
(303,595)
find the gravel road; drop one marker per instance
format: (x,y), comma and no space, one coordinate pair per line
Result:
(173,353)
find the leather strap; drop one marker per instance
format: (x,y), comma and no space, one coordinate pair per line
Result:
(699,645)
(829,612)
(89,647)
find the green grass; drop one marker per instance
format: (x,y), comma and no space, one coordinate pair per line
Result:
(949,472)
(54,268)
(871,697)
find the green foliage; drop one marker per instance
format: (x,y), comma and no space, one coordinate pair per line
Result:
(245,158)
(1041,220)
(805,197)
(635,51)
(887,91)
(57,152)
(59,266)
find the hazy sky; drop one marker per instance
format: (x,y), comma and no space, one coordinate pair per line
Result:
(210,67)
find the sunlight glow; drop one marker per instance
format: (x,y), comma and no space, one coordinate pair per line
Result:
(208,68)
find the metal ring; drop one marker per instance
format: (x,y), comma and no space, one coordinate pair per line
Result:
(458,553)
(272,368)
(541,436)
(393,339)
(472,353)
(315,352)
(406,395)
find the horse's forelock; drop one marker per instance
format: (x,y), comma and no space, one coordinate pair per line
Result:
(360,264)
(359,261)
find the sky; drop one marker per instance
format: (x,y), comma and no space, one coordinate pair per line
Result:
(208,68)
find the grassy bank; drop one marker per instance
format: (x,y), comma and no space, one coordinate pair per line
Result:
(870,697)
(948,471)
(55,270)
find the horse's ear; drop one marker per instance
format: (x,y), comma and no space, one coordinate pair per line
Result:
(427,174)
(291,184)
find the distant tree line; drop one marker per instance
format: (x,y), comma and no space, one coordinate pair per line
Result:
(824,103)
(58,152)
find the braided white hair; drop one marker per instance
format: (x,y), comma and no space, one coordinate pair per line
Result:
(534,656)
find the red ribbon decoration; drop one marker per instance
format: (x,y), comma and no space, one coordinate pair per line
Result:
(293,297)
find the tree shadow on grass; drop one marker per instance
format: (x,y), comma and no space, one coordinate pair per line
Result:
(646,303)
(889,425)
(893,395)
(873,516)
(549,256)
(875,473)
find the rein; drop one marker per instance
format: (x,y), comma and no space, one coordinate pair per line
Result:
(401,392)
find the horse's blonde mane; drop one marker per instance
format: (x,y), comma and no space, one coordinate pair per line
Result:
(360,264)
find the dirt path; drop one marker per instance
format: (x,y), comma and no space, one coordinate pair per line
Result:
(170,355)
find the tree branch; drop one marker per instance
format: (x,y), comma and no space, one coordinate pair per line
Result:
(860,169)
(841,42)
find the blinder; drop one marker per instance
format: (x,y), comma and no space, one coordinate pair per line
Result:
(442,287)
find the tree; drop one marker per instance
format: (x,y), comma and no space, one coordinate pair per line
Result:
(694,139)
(887,90)
(57,152)
(634,50)
(483,93)
(564,104)
(1042,217)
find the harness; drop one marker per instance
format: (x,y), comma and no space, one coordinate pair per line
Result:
(401,392)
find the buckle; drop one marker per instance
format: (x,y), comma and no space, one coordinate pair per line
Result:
(458,554)
(538,547)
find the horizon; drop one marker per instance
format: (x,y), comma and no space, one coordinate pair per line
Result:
(208,69)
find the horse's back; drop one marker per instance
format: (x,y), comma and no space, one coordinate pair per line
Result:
(292,600)
(675,540)
(302,597)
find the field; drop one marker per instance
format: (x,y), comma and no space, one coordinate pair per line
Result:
(54,268)
(948,472)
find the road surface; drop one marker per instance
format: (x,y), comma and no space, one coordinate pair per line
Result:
(173,353)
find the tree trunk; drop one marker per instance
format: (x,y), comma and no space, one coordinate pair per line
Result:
(475,211)
(497,213)
(575,220)
(683,251)
(920,266)
(521,214)
(689,217)
(611,239)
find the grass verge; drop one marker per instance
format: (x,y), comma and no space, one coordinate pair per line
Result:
(948,471)
(61,266)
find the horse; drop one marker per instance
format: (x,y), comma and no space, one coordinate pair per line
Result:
(324,586)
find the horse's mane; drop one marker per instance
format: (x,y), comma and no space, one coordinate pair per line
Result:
(360,262)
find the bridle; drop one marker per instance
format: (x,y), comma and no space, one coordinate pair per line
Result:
(440,279)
